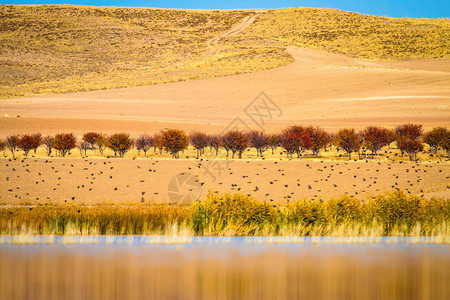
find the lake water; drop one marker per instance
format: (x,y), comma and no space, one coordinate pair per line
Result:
(142,267)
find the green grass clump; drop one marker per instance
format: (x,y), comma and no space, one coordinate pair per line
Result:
(395,214)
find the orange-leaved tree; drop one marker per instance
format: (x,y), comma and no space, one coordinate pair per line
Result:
(64,142)
(174,141)
(119,143)
(348,140)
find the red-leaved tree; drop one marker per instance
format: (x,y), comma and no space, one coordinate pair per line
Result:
(319,139)
(28,142)
(294,139)
(374,138)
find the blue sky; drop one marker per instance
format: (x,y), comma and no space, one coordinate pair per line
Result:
(392,8)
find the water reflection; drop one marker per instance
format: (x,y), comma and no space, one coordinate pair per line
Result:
(223,268)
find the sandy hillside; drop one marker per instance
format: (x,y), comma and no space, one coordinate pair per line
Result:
(319,88)
(150,180)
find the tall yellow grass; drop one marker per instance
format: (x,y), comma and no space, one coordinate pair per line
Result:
(394,214)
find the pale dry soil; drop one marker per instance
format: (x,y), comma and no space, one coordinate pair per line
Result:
(103,180)
(327,90)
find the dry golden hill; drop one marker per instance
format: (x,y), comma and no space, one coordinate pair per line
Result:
(59,49)
(328,90)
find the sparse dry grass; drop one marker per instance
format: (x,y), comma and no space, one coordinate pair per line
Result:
(356,35)
(60,49)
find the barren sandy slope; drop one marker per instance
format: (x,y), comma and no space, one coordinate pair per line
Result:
(148,180)
(318,88)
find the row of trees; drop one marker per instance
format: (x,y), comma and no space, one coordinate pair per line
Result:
(294,140)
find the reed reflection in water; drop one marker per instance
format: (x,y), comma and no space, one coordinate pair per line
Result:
(215,268)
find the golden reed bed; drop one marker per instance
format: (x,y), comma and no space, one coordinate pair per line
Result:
(396,214)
